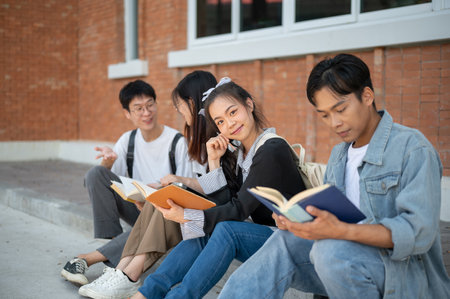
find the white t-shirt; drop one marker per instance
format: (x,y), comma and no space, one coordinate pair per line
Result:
(354,160)
(151,159)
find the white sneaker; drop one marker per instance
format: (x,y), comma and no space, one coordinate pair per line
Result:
(117,286)
(107,272)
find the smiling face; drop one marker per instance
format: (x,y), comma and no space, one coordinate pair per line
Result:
(351,119)
(234,120)
(143,113)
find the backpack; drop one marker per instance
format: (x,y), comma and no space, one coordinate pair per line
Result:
(130,153)
(312,173)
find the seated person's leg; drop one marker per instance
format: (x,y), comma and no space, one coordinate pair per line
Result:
(108,207)
(348,269)
(112,250)
(229,240)
(282,262)
(110,253)
(174,267)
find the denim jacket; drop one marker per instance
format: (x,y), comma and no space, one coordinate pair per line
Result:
(400,188)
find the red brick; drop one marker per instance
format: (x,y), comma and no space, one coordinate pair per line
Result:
(431,65)
(63,67)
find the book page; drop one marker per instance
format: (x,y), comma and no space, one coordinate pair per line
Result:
(304,194)
(118,187)
(271,194)
(143,188)
(127,186)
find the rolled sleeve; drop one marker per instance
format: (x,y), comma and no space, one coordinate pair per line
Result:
(403,237)
(213,180)
(194,227)
(414,229)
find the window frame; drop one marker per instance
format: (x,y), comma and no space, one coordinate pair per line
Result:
(133,66)
(343,33)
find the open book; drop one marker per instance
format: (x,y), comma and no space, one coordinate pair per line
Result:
(127,190)
(324,197)
(185,198)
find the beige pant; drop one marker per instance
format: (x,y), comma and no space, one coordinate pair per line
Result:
(152,235)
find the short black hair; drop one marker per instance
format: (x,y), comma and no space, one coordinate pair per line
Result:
(343,74)
(134,89)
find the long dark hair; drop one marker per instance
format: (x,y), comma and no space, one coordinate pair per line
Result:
(235,92)
(190,89)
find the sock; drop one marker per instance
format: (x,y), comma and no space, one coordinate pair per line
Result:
(128,277)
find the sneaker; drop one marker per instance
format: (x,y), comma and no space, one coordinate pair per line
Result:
(74,271)
(117,286)
(107,272)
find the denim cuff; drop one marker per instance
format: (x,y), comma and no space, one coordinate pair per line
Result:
(194,227)
(212,181)
(402,237)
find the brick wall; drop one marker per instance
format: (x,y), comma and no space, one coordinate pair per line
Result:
(412,82)
(38,70)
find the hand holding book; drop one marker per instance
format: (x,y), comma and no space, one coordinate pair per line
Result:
(134,190)
(324,197)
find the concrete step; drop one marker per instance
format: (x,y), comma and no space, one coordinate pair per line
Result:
(53,190)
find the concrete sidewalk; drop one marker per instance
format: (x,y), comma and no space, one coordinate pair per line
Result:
(53,191)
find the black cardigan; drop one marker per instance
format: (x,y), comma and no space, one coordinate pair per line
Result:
(272,166)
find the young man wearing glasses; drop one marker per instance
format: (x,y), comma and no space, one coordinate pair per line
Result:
(152,143)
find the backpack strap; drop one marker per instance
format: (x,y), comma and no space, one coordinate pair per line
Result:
(299,159)
(173,165)
(130,153)
(266,137)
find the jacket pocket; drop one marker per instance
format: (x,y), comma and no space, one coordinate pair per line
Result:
(381,184)
(381,192)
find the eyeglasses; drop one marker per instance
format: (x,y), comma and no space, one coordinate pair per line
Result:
(140,110)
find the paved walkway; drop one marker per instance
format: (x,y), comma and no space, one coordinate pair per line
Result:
(53,191)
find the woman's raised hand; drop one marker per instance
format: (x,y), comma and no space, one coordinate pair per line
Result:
(216,148)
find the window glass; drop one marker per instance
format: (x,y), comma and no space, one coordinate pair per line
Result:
(306,10)
(373,5)
(257,14)
(213,17)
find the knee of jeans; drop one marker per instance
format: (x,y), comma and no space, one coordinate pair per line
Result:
(92,174)
(331,256)
(324,254)
(222,228)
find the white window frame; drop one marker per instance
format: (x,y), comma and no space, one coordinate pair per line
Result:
(133,66)
(356,31)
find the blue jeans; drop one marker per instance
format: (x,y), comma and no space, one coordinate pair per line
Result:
(200,263)
(342,269)
(349,269)
(282,262)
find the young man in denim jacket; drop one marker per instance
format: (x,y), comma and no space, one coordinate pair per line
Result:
(392,173)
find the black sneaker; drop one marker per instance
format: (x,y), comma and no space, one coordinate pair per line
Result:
(74,270)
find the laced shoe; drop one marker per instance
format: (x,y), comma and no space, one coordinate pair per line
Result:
(74,271)
(117,286)
(107,272)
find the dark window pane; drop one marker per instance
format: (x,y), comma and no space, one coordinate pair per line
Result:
(213,17)
(316,9)
(373,5)
(256,14)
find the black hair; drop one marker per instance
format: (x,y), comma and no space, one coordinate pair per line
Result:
(232,91)
(135,89)
(343,74)
(190,89)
